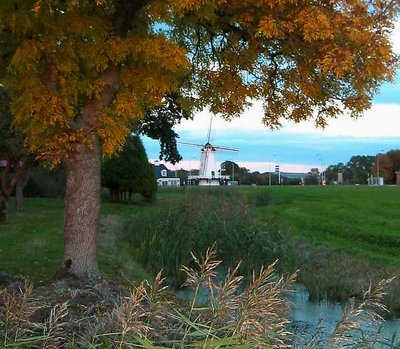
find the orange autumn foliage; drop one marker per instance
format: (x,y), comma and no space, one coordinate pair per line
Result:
(304,59)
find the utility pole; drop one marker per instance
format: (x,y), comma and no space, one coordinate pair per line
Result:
(269,169)
(378,181)
(377,168)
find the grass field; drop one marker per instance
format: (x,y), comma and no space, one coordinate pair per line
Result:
(358,219)
(31,242)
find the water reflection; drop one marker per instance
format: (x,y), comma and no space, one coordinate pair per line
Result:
(319,318)
(316,320)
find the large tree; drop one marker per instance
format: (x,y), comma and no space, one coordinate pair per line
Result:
(81,71)
(389,164)
(332,171)
(360,168)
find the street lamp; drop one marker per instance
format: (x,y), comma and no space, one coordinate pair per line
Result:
(269,169)
(322,163)
(320,174)
(377,167)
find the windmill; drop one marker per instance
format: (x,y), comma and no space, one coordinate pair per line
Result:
(209,173)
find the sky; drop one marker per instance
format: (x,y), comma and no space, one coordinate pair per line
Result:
(295,147)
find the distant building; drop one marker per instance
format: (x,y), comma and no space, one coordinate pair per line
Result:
(398,177)
(293,175)
(165,177)
(375,181)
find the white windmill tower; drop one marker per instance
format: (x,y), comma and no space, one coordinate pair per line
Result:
(209,173)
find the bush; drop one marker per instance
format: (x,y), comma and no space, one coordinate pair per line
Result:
(203,218)
(129,172)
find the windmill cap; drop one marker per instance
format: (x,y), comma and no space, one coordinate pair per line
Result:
(208,146)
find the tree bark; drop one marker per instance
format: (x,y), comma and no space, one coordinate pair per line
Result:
(82,210)
(19,189)
(3,208)
(5,192)
(83,185)
(7,185)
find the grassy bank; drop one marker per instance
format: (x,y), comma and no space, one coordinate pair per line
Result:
(343,237)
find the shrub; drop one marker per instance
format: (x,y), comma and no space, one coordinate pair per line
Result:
(201,218)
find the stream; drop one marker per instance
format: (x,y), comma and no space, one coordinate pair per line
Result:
(319,318)
(312,317)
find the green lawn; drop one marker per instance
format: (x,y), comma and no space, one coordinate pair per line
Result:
(357,219)
(31,242)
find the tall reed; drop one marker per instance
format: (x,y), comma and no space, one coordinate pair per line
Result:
(237,315)
(202,218)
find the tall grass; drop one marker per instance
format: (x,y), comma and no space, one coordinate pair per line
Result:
(236,316)
(202,218)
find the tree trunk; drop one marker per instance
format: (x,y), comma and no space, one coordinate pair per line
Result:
(6,189)
(7,185)
(82,210)
(82,196)
(19,188)
(19,196)
(3,208)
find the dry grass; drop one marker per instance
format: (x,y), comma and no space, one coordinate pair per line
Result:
(368,311)
(236,315)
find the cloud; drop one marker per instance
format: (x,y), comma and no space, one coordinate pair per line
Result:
(251,119)
(380,121)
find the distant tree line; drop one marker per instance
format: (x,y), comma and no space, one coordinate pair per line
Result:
(356,171)
(243,176)
(359,168)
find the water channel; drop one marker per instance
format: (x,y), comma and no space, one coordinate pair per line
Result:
(319,318)
(312,317)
